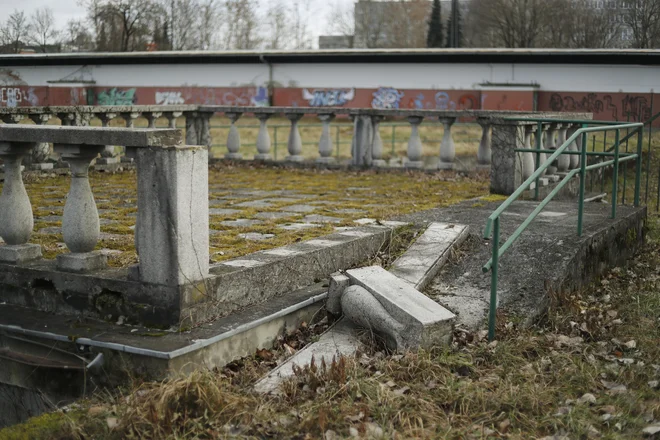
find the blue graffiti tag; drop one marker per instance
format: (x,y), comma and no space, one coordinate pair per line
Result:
(387,98)
(328,98)
(261,98)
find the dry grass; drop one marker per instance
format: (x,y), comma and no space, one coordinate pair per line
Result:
(590,370)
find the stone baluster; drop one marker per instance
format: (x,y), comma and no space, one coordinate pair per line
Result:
(550,144)
(41,151)
(171,118)
(527,158)
(109,154)
(263,138)
(204,131)
(16,219)
(543,135)
(294,144)
(377,144)
(415,143)
(574,158)
(447,148)
(66,118)
(234,138)
(80,223)
(191,128)
(564,160)
(151,118)
(130,118)
(325,143)
(484,152)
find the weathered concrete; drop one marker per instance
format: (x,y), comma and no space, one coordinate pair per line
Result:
(548,257)
(424,322)
(339,340)
(172,237)
(420,263)
(338,283)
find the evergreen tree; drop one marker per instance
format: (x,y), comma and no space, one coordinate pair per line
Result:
(455,17)
(434,37)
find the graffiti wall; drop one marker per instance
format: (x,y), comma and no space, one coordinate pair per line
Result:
(605,106)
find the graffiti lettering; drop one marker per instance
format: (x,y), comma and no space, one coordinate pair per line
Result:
(386,98)
(115,96)
(261,98)
(169,98)
(328,98)
(637,107)
(11,96)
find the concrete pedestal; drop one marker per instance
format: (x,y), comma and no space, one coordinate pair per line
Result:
(19,253)
(83,262)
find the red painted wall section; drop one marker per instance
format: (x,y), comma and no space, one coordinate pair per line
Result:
(605,106)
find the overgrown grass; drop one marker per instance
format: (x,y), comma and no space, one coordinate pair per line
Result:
(589,370)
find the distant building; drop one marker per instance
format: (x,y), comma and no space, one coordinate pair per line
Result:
(388,24)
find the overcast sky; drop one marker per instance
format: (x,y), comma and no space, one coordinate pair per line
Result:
(65,10)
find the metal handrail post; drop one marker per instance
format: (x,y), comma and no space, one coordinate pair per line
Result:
(648,160)
(492,315)
(625,167)
(638,166)
(615,173)
(583,179)
(539,132)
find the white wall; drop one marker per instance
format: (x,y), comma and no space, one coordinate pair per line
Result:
(578,78)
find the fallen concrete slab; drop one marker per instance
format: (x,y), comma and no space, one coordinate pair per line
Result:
(339,340)
(421,262)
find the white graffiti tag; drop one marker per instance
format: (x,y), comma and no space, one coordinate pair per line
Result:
(169,98)
(11,96)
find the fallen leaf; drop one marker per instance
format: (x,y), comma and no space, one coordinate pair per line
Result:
(587,398)
(614,388)
(112,422)
(651,430)
(402,391)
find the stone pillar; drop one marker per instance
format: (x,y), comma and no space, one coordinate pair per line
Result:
(130,123)
(171,118)
(109,154)
(234,138)
(415,143)
(41,151)
(172,229)
(263,138)
(80,223)
(151,118)
(16,219)
(325,143)
(191,128)
(447,148)
(361,143)
(506,171)
(204,131)
(574,158)
(294,145)
(484,152)
(377,144)
(564,160)
(527,159)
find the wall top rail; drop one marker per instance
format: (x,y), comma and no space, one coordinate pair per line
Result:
(127,137)
(92,109)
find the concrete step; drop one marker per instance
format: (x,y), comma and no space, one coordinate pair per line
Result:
(396,291)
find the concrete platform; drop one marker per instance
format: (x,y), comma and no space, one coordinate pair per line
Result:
(548,257)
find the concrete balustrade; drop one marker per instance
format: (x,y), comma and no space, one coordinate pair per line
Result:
(233,138)
(447,147)
(263,138)
(367,148)
(540,140)
(377,144)
(527,158)
(574,158)
(325,143)
(16,220)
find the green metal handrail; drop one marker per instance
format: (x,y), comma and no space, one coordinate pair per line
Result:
(493,222)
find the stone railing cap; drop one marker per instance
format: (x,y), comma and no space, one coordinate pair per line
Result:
(126,137)
(93,109)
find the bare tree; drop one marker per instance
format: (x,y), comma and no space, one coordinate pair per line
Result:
(643,18)
(512,23)
(42,28)
(277,26)
(300,35)
(129,20)
(242,25)
(77,38)
(209,16)
(15,31)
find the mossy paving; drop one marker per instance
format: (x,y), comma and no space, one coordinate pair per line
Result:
(343,195)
